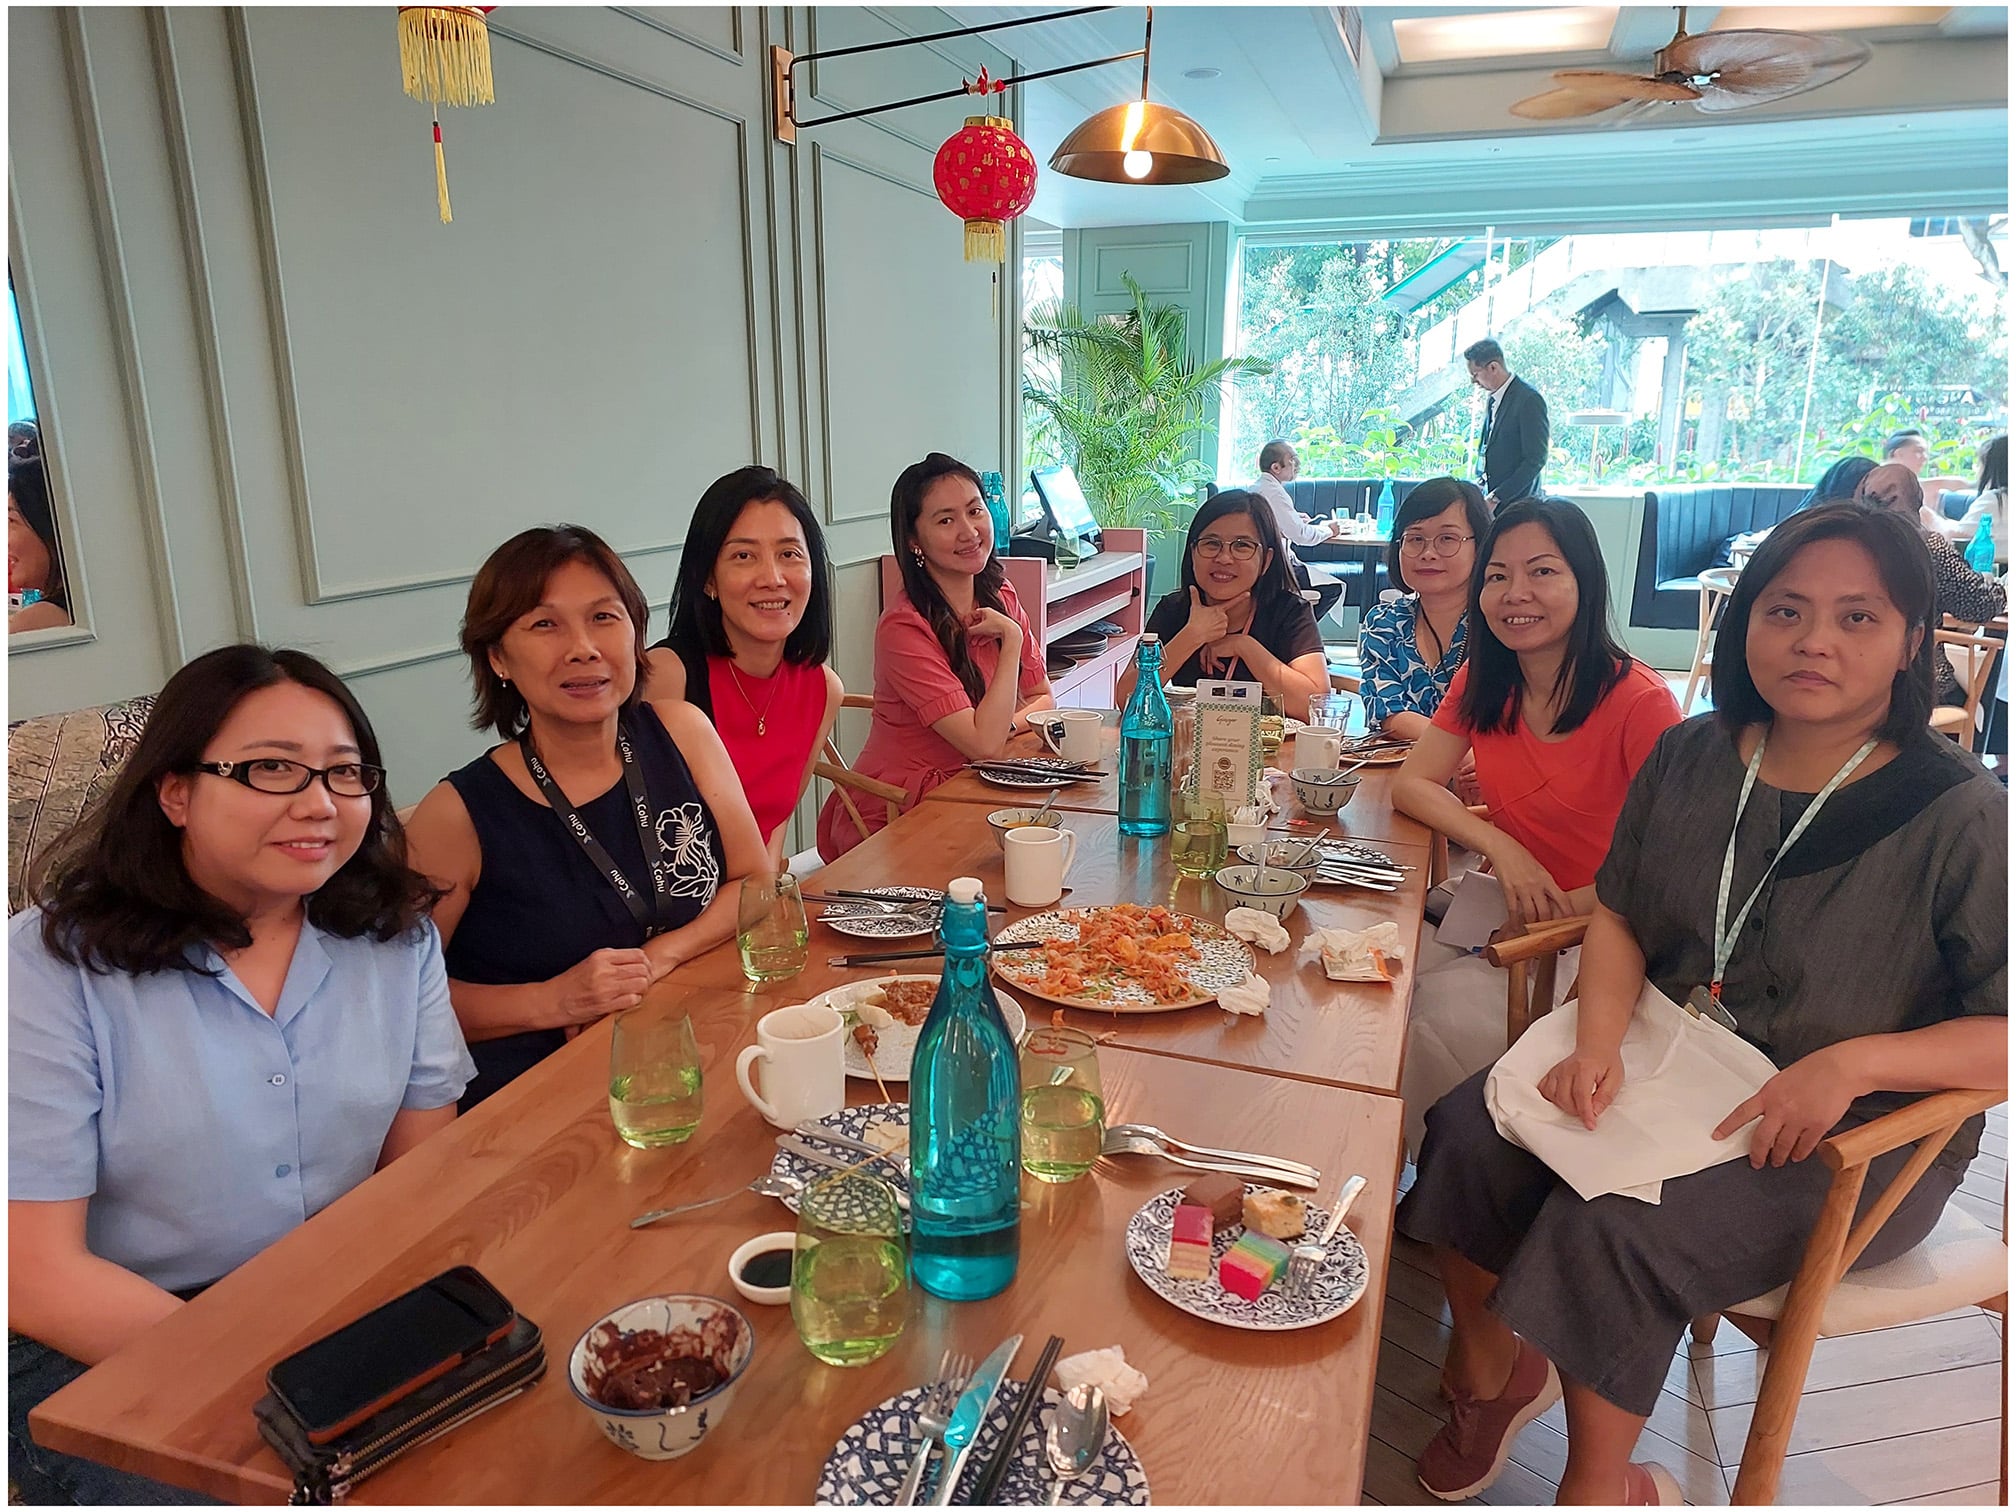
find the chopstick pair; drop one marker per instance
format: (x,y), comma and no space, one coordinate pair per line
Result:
(989,1484)
(879,957)
(854,895)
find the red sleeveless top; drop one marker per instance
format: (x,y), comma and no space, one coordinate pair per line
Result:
(790,705)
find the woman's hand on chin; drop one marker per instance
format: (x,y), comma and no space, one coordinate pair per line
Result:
(1211,622)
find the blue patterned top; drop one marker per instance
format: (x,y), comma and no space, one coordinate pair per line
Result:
(1393,678)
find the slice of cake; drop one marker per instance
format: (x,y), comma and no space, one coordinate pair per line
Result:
(1278,1215)
(1223,1195)
(1252,1265)
(1190,1243)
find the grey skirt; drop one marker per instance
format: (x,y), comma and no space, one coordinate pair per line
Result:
(1605,1288)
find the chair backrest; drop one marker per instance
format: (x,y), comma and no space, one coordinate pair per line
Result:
(1973,657)
(1684,526)
(57,766)
(846,781)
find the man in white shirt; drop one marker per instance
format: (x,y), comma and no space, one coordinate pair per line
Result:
(1278,467)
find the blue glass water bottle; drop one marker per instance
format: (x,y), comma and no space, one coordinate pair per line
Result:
(1147,746)
(1385,518)
(996,495)
(965,1122)
(1981,550)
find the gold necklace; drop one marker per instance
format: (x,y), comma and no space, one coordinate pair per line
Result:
(763,714)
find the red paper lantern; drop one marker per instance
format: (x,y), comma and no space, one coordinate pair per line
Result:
(986,175)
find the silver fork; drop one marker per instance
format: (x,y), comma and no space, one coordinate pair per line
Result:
(1307,1259)
(934,1417)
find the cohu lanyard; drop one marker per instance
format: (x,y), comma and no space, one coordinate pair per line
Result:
(645,913)
(1725,939)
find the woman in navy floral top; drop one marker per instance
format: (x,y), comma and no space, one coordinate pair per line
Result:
(1410,648)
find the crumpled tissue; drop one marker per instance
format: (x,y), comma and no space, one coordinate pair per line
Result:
(1109,1371)
(1357,955)
(1250,996)
(1258,927)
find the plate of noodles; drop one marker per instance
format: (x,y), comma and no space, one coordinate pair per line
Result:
(1123,958)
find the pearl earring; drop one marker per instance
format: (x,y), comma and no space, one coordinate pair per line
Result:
(917,554)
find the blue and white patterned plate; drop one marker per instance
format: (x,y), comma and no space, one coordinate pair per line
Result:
(852,1122)
(1339,1283)
(865,921)
(867,1466)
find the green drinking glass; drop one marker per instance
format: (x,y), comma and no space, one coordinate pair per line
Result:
(1063,1105)
(850,1276)
(654,1078)
(1197,834)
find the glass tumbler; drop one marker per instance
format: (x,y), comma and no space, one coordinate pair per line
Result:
(1197,837)
(1331,711)
(1063,1106)
(850,1277)
(654,1077)
(1272,724)
(770,927)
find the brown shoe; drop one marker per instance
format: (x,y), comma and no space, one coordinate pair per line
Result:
(1648,1485)
(1471,1449)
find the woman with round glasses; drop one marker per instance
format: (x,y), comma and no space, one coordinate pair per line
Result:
(1238,613)
(227,1011)
(1412,645)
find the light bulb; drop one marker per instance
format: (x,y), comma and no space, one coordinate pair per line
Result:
(1136,164)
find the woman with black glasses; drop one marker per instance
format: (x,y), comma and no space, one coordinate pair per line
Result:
(1238,614)
(1411,646)
(229,1009)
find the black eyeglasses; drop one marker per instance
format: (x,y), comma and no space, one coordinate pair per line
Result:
(1447,544)
(270,774)
(1240,548)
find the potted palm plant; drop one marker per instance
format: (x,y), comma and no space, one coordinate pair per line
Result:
(1119,398)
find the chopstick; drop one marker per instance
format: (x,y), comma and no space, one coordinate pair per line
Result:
(922,955)
(1077,772)
(850,894)
(1018,1423)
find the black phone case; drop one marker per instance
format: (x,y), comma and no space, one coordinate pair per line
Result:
(324,1473)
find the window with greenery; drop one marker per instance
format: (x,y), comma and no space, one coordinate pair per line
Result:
(1756,356)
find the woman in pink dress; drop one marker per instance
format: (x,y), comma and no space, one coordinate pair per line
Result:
(957,671)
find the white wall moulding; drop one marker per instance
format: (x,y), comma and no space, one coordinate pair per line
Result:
(1159,267)
(712,29)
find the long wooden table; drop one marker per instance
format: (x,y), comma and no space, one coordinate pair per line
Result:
(1369,816)
(536,1190)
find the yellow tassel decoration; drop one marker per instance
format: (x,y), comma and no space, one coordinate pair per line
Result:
(444,54)
(441,176)
(986,241)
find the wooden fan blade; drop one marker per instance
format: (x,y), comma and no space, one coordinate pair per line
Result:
(1731,51)
(1622,87)
(1812,63)
(1562,105)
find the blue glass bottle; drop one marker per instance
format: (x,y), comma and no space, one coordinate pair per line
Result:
(1981,550)
(965,1122)
(1147,745)
(1385,517)
(996,495)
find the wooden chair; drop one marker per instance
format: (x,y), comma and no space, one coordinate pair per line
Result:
(847,782)
(1973,658)
(1960,1263)
(1717,583)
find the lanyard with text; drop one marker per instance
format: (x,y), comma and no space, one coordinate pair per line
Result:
(1725,938)
(646,914)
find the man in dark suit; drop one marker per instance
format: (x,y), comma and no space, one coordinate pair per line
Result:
(1512,447)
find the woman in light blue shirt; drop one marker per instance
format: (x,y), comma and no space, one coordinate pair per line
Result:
(229,1010)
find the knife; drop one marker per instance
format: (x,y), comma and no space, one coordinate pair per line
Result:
(804,1151)
(971,1413)
(811,1129)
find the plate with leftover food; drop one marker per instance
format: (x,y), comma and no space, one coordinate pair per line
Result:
(866,921)
(906,1000)
(1241,1278)
(1124,958)
(884,1125)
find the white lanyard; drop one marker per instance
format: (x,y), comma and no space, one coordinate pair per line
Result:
(1725,939)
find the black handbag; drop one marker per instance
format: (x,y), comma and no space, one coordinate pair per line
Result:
(324,1473)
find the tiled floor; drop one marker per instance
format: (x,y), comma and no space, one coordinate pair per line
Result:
(1907,1414)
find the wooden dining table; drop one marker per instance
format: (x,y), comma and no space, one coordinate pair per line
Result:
(535,1189)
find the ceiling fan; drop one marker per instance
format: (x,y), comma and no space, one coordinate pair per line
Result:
(1729,70)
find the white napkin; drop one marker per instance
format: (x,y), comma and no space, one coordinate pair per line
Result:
(1682,1075)
(1109,1371)
(1356,955)
(1258,927)
(1250,996)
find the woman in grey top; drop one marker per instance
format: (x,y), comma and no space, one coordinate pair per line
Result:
(1872,966)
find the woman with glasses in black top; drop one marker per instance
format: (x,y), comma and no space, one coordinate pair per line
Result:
(1238,614)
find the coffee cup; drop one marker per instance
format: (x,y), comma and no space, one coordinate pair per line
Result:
(804,1073)
(1035,861)
(1318,748)
(1073,733)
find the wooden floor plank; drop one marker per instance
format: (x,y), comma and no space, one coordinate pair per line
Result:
(1987,1494)
(1882,1410)
(1922,1464)
(1543,1450)
(1890,1354)
(1987,1210)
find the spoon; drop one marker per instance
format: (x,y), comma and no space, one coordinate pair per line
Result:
(766,1185)
(1077,1434)
(1048,804)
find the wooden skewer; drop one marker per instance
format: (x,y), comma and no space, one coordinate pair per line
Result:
(869,1056)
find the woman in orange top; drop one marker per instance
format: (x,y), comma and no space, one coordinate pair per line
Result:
(1559,719)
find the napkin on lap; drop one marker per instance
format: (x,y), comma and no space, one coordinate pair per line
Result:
(1357,955)
(1682,1075)
(1258,927)
(1249,996)
(1109,1371)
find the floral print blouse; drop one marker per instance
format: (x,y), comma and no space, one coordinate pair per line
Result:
(1392,676)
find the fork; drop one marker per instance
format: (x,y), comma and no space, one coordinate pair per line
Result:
(1149,1131)
(934,1417)
(1307,1259)
(1134,1144)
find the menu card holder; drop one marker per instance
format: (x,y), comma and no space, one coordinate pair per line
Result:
(1228,741)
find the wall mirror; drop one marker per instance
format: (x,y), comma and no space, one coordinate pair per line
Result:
(37,590)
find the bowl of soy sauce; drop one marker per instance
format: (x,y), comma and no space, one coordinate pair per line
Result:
(761,1269)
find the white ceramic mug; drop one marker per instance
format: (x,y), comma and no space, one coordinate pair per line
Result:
(1035,861)
(804,1072)
(1316,747)
(1073,733)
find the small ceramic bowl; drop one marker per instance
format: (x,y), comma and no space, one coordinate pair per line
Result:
(1263,887)
(1276,854)
(665,1433)
(1321,792)
(784,1241)
(1003,820)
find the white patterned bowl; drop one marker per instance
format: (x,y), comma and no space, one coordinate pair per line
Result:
(1267,888)
(1001,821)
(1277,853)
(664,1433)
(1321,792)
